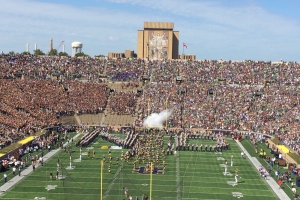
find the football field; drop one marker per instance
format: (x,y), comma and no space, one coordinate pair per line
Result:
(188,175)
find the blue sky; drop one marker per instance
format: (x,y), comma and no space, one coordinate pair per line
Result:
(212,29)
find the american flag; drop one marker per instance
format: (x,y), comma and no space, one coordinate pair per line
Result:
(184,45)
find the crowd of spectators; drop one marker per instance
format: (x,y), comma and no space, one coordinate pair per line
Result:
(30,104)
(122,103)
(125,70)
(208,94)
(43,67)
(89,97)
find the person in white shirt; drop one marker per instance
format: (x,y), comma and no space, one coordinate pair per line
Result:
(236,178)
(14,170)
(231,161)
(273,160)
(242,154)
(292,184)
(41,161)
(294,190)
(225,172)
(5,177)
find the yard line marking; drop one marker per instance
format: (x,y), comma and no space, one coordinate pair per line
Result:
(178,175)
(113,181)
(195,164)
(188,174)
(56,193)
(146,184)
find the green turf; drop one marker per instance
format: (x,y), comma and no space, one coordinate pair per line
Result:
(190,175)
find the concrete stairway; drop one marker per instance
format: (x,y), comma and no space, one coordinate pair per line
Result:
(91,119)
(118,120)
(68,120)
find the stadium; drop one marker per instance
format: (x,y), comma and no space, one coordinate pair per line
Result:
(92,115)
(155,125)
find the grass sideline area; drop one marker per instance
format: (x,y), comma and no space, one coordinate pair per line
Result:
(17,144)
(188,176)
(28,164)
(249,147)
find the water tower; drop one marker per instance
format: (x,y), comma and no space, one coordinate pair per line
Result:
(76,48)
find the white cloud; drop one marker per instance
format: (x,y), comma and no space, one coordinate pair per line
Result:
(41,21)
(244,17)
(112,38)
(213,29)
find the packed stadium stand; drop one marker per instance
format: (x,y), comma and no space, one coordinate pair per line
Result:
(41,91)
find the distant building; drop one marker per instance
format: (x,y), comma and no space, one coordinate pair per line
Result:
(115,55)
(127,54)
(158,41)
(187,57)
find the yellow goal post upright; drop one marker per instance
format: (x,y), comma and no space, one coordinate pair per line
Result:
(101,179)
(150,192)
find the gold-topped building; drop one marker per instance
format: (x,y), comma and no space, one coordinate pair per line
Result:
(158,41)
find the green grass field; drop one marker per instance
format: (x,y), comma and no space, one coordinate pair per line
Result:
(189,175)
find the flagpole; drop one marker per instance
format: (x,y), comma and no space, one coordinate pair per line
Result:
(101,174)
(182,49)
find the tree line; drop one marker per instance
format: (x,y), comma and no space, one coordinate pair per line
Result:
(52,52)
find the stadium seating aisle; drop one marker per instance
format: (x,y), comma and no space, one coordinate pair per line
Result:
(10,183)
(273,184)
